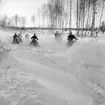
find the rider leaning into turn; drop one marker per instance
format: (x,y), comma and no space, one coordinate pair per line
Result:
(71,37)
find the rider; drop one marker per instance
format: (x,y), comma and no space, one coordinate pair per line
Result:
(15,36)
(20,37)
(71,37)
(26,36)
(34,37)
(57,34)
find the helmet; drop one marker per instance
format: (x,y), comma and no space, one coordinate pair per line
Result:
(34,34)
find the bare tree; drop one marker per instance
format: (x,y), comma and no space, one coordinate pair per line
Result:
(47,12)
(70,13)
(95,4)
(39,16)
(103,4)
(91,6)
(53,12)
(50,13)
(4,20)
(23,21)
(9,23)
(16,20)
(88,13)
(33,19)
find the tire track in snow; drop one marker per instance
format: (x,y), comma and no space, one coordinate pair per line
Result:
(55,81)
(68,87)
(40,56)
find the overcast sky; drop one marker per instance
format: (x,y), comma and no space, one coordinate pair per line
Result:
(21,7)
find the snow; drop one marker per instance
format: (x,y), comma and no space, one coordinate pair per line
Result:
(52,74)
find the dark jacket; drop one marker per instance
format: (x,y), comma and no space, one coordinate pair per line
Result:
(15,36)
(34,37)
(71,37)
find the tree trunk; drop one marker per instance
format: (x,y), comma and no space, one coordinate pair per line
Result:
(101,12)
(62,26)
(70,24)
(77,24)
(93,18)
(83,21)
(87,23)
(77,15)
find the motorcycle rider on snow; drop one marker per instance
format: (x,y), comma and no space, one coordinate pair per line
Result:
(34,39)
(15,37)
(70,39)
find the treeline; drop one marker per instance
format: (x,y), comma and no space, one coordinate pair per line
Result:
(63,14)
(16,21)
(66,13)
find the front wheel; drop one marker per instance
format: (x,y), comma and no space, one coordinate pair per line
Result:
(34,43)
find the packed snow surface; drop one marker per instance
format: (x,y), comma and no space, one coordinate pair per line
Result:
(53,74)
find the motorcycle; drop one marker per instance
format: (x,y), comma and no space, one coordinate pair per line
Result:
(34,42)
(58,37)
(26,36)
(15,41)
(70,43)
(20,40)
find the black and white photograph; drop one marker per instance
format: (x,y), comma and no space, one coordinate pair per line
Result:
(52,52)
